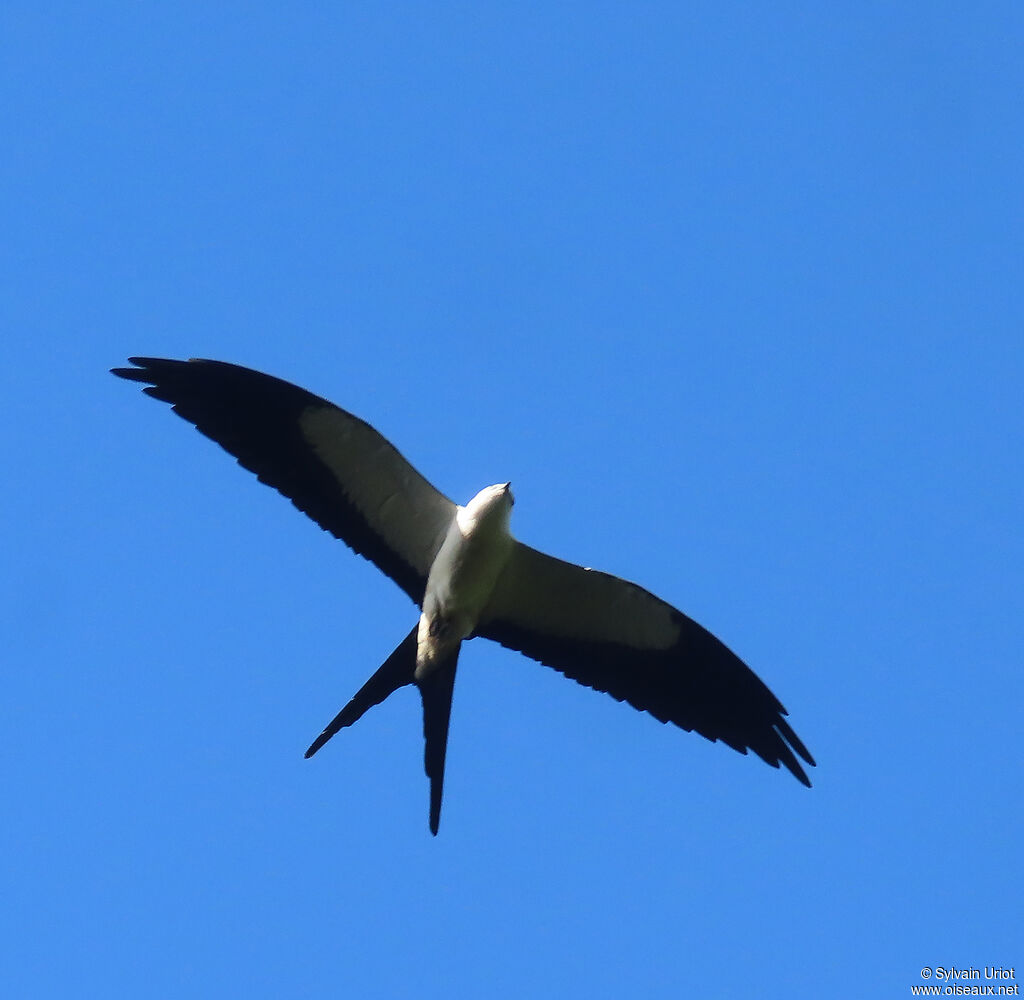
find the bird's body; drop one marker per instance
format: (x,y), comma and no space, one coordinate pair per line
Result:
(468,575)
(463,574)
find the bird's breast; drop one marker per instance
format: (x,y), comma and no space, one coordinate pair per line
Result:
(460,583)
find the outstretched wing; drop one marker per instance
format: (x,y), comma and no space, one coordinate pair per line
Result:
(616,637)
(333,466)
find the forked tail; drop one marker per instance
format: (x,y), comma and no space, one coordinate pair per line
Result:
(395,672)
(435,690)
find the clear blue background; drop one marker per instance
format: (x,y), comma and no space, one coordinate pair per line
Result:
(731,292)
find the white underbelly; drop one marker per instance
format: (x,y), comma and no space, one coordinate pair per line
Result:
(460,584)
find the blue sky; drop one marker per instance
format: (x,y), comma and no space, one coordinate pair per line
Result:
(731,292)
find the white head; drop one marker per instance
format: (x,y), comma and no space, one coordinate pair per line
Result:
(491,502)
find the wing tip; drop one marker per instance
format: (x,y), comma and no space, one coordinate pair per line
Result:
(146,369)
(133,374)
(788,742)
(798,772)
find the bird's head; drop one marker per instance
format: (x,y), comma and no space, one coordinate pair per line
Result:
(491,502)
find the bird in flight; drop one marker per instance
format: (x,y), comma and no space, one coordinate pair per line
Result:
(467,574)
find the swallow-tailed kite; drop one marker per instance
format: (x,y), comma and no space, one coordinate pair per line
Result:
(467,574)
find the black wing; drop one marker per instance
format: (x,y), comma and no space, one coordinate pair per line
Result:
(616,637)
(333,466)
